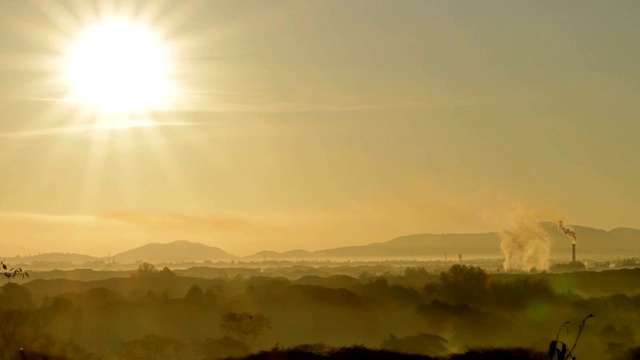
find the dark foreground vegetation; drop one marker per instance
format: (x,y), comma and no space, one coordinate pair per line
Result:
(305,352)
(462,313)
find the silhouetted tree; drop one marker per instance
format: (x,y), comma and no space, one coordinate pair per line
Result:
(462,283)
(145,270)
(195,295)
(244,326)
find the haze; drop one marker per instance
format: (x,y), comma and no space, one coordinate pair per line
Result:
(319,124)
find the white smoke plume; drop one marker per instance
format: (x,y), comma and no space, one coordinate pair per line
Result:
(525,246)
(568,232)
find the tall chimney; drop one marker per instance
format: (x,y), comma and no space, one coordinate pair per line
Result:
(572,236)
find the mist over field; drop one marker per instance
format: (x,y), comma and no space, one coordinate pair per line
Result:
(521,305)
(433,309)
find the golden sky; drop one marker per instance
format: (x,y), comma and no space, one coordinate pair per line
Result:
(315,124)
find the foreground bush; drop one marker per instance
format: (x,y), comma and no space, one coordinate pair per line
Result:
(364,353)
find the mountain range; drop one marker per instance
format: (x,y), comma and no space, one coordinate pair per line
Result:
(592,243)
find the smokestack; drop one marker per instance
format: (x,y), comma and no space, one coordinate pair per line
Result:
(572,236)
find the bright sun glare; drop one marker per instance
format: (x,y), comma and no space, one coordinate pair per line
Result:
(119,67)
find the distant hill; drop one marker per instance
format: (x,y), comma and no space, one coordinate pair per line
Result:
(418,246)
(422,246)
(287,255)
(53,258)
(592,243)
(176,251)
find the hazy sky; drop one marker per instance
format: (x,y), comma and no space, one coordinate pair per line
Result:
(314,124)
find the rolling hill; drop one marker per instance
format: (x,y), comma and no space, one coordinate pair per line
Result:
(286,255)
(177,251)
(53,257)
(592,243)
(417,246)
(422,246)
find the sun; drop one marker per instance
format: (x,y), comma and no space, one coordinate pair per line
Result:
(119,67)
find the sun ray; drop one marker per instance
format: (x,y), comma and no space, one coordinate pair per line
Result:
(106,8)
(86,11)
(94,169)
(65,22)
(149,13)
(157,143)
(123,144)
(50,117)
(180,15)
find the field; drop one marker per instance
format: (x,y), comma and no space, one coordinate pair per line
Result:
(163,314)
